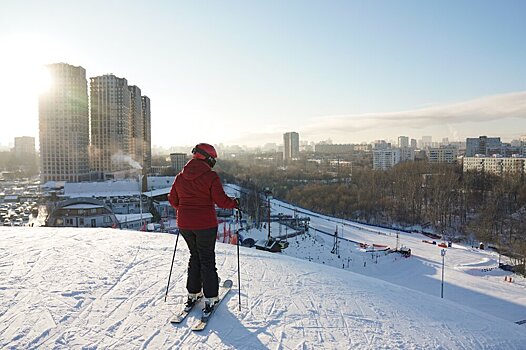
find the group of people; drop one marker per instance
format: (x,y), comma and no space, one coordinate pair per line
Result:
(194,193)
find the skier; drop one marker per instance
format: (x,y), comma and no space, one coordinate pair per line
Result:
(194,192)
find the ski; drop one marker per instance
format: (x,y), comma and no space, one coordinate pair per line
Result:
(182,313)
(223,291)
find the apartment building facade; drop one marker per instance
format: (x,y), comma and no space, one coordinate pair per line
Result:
(137,146)
(111,124)
(147,132)
(483,145)
(291,146)
(64,125)
(495,165)
(442,155)
(178,161)
(385,158)
(24,146)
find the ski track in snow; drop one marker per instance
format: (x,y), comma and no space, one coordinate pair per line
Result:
(97,289)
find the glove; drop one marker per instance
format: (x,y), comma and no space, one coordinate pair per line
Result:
(237,202)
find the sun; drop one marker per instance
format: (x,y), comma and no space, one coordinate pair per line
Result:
(43,80)
(23,78)
(22,67)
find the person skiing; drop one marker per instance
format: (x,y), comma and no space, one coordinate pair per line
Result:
(194,193)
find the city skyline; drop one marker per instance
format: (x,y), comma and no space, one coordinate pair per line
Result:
(348,71)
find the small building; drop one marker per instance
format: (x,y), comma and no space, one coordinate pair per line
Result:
(81,212)
(135,222)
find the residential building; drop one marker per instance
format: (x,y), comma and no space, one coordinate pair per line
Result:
(483,145)
(442,154)
(147,132)
(495,165)
(407,154)
(24,146)
(291,146)
(509,150)
(414,144)
(136,125)
(64,126)
(403,141)
(385,158)
(178,161)
(427,141)
(381,144)
(111,126)
(82,212)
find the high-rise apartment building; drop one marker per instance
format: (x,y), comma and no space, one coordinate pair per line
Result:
(291,146)
(64,126)
(111,125)
(403,141)
(414,144)
(24,146)
(147,132)
(136,125)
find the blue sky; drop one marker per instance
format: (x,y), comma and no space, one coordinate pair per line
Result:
(247,71)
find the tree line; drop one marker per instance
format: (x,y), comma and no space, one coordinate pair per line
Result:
(436,197)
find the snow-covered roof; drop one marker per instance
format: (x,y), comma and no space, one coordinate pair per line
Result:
(157,182)
(116,188)
(122,218)
(85,206)
(158,192)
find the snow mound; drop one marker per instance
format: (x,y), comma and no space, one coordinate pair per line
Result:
(103,288)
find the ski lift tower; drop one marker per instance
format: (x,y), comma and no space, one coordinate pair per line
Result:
(335,246)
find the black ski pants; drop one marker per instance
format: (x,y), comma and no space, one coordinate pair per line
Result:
(202,272)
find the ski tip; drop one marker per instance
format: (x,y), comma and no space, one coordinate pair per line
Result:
(228,284)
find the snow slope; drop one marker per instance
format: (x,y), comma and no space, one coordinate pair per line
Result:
(104,288)
(472,277)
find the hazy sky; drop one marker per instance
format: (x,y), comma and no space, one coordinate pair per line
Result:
(245,72)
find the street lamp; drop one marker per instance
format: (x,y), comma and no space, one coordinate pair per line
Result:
(443,254)
(268,195)
(140,197)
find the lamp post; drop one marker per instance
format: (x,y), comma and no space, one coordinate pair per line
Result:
(140,198)
(443,254)
(268,195)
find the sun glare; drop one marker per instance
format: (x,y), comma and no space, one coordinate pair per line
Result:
(43,80)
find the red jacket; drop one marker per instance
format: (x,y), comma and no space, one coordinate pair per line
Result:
(194,192)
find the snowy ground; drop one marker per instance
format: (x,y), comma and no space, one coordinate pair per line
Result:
(471,276)
(104,288)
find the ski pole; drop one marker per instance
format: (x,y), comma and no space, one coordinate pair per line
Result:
(171,267)
(238,272)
